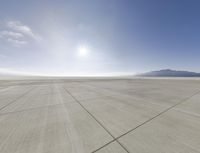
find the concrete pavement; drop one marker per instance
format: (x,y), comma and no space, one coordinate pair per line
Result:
(103,115)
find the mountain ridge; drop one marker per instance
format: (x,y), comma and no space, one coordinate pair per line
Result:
(169,73)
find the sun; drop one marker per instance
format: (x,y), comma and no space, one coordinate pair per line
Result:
(83,51)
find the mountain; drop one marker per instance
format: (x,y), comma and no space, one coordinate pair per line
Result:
(169,73)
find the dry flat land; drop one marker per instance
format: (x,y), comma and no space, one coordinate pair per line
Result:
(102,115)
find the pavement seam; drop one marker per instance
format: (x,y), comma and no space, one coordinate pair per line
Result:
(166,110)
(181,101)
(50,105)
(114,139)
(17,98)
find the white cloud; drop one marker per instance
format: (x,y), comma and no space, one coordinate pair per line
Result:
(22,28)
(18,34)
(14,35)
(17,42)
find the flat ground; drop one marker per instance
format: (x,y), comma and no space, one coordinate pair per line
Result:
(102,115)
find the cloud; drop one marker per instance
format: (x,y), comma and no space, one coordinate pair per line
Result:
(14,35)
(24,29)
(18,34)
(17,42)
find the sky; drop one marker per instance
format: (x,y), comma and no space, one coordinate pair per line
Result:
(98,37)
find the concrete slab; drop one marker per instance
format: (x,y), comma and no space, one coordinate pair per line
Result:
(85,95)
(63,128)
(159,91)
(163,96)
(40,96)
(49,120)
(14,91)
(191,106)
(121,116)
(10,94)
(171,132)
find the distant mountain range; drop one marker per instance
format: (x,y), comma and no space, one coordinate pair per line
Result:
(169,73)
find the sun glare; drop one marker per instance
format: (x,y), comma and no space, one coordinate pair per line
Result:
(83,51)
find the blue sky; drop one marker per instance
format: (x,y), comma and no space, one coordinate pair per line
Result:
(94,37)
